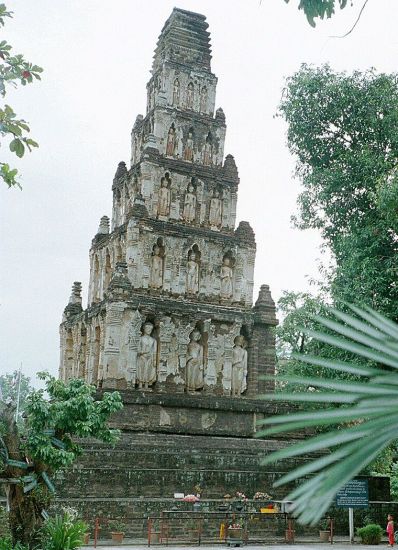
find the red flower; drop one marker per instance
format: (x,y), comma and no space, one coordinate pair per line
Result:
(26,74)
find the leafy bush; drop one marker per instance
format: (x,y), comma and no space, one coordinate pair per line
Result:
(324,524)
(370,534)
(116,526)
(62,532)
(6,544)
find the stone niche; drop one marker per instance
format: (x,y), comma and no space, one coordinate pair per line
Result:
(217,272)
(173,352)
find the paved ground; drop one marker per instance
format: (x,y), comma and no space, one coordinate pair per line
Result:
(306,546)
(297,546)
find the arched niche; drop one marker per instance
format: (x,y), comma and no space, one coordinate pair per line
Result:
(190,96)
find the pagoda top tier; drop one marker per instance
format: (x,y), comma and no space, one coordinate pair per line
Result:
(184,39)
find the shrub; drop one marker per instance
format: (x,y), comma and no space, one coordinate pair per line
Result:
(6,544)
(324,524)
(63,533)
(370,534)
(116,526)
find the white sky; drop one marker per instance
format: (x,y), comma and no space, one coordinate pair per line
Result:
(97,56)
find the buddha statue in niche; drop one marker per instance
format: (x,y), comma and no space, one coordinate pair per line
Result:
(176,93)
(171,142)
(164,198)
(215,212)
(239,367)
(146,358)
(226,276)
(189,211)
(192,274)
(156,279)
(188,150)
(194,364)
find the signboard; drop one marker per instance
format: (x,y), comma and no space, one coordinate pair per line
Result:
(354,494)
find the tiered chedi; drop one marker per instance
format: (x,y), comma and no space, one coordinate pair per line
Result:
(171,279)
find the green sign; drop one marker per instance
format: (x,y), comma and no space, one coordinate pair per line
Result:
(354,494)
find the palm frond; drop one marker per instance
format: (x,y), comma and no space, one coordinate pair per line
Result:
(366,351)
(367,422)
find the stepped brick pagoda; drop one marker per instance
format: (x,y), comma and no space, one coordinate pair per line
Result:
(170,320)
(171,278)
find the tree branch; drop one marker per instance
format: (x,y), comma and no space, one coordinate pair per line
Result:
(355,24)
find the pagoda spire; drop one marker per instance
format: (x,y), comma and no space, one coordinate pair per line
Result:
(184,39)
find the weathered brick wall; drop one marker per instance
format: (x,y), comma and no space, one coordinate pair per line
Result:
(198,414)
(158,465)
(140,475)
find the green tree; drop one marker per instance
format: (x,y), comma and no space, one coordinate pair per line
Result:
(297,311)
(343,131)
(30,455)
(14,70)
(300,312)
(386,199)
(9,388)
(319,9)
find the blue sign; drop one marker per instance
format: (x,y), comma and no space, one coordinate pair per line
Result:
(354,494)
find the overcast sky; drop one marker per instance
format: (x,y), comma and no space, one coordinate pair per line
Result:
(97,56)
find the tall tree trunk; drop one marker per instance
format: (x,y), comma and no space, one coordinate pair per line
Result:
(25,519)
(25,509)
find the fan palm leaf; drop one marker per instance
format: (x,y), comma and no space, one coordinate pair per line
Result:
(363,413)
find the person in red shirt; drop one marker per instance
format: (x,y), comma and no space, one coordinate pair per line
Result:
(390,530)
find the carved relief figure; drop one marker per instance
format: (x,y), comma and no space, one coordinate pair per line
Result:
(190,96)
(164,198)
(215,213)
(176,92)
(203,100)
(188,151)
(194,364)
(208,150)
(156,280)
(172,360)
(239,366)
(81,360)
(226,276)
(189,211)
(171,141)
(192,274)
(146,358)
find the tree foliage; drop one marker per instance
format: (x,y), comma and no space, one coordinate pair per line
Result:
(301,313)
(343,131)
(9,388)
(47,441)
(297,310)
(14,70)
(319,9)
